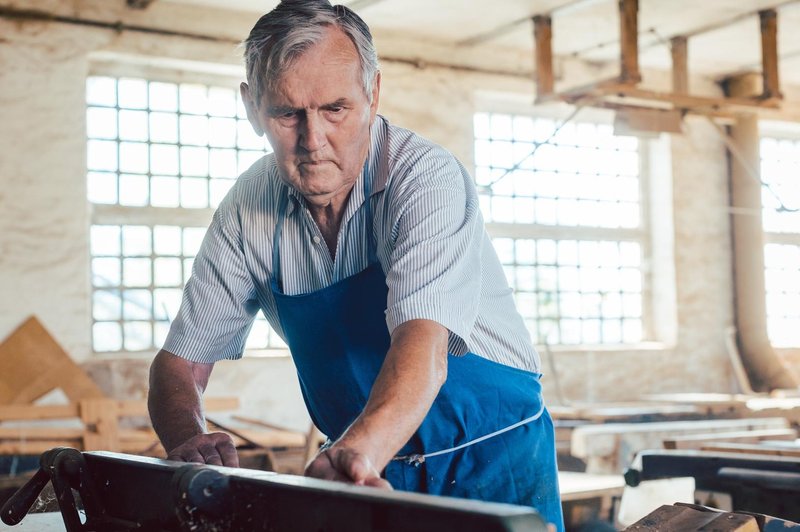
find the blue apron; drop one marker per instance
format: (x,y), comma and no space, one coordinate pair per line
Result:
(487,435)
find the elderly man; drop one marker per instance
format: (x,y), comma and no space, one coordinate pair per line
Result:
(364,246)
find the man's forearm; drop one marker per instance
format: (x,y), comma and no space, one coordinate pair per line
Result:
(175,399)
(412,374)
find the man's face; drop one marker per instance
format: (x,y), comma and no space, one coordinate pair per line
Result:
(317,120)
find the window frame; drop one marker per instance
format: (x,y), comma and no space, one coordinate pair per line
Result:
(778,131)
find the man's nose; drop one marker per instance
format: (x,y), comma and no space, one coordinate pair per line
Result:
(313,135)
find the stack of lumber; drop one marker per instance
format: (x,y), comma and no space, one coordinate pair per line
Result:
(33,365)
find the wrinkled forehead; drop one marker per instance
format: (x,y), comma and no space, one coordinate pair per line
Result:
(331,61)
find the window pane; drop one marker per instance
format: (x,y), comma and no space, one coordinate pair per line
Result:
(194,130)
(222,132)
(105,240)
(106,272)
(107,305)
(164,191)
(163,127)
(102,155)
(167,240)
(137,304)
(193,99)
(136,240)
(133,125)
(132,93)
(164,159)
(101,91)
(194,193)
(102,187)
(194,161)
(101,123)
(138,336)
(221,102)
(163,96)
(136,272)
(133,190)
(133,157)
(168,272)
(107,336)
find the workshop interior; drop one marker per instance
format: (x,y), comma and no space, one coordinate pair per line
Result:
(634,164)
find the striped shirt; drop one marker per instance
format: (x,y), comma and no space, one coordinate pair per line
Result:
(430,241)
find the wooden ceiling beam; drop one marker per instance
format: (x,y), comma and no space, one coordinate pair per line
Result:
(680,65)
(543,35)
(769,53)
(629,41)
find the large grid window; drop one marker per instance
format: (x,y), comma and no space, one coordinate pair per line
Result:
(563,207)
(160,158)
(780,167)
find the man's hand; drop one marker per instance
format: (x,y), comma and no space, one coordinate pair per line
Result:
(215,448)
(346,465)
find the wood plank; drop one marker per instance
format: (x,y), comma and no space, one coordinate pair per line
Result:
(629,41)
(615,93)
(543,36)
(770,449)
(575,486)
(40,433)
(680,65)
(132,408)
(609,448)
(769,52)
(37,412)
(100,418)
(32,363)
(696,441)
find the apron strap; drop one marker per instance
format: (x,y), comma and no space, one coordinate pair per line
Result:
(416,459)
(276,242)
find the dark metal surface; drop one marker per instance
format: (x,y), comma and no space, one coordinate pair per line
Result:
(124,492)
(756,483)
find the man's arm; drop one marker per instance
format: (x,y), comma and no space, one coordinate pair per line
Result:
(410,378)
(176,410)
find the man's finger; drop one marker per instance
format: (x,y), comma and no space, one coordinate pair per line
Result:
(210,454)
(186,455)
(228,454)
(378,482)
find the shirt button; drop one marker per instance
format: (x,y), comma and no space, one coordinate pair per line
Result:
(316,239)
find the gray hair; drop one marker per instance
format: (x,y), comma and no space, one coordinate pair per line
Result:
(289,30)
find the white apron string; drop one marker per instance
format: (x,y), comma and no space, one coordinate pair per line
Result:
(416,459)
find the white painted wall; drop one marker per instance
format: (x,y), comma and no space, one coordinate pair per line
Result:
(44,215)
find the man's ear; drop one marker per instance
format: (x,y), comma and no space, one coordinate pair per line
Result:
(376,92)
(251,108)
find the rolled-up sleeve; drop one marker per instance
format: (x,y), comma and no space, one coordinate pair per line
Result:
(434,266)
(219,302)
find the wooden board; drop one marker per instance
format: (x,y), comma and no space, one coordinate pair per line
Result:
(609,448)
(32,363)
(697,441)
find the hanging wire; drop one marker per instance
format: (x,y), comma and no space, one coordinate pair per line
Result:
(738,155)
(749,170)
(578,108)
